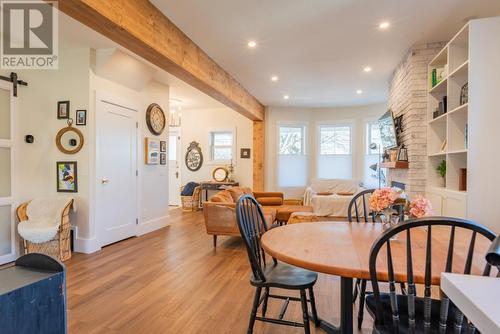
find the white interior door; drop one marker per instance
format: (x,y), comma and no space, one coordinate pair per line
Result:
(7,202)
(174,161)
(116,173)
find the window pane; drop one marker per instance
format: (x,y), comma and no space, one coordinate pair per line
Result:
(4,114)
(4,172)
(370,179)
(222,139)
(335,140)
(372,136)
(5,230)
(291,140)
(172,148)
(371,172)
(222,153)
(335,166)
(292,170)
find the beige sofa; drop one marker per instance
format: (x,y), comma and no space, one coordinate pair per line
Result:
(220,215)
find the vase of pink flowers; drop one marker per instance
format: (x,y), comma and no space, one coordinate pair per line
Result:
(420,207)
(382,201)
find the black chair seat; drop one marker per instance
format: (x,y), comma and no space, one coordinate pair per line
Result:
(286,277)
(387,327)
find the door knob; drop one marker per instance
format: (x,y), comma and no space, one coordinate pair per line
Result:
(104,180)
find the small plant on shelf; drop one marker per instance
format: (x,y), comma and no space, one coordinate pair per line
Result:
(441,168)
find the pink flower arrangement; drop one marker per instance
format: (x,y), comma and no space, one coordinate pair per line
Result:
(420,207)
(383,198)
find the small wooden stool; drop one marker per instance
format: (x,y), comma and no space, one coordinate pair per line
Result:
(302,217)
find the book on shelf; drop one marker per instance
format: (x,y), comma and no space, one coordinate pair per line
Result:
(438,74)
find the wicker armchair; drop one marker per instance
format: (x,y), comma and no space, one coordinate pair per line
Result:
(191,203)
(60,246)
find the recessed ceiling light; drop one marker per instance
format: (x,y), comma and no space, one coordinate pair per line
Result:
(359,91)
(252,44)
(286,97)
(367,69)
(274,78)
(384,25)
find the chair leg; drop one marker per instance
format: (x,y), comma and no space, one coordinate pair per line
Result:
(356,290)
(362,294)
(264,303)
(254,310)
(403,288)
(305,316)
(215,241)
(313,307)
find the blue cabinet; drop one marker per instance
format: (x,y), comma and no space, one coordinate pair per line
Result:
(33,296)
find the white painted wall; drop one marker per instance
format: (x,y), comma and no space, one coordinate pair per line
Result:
(153,179)
(196,125)
(37,115)
(357,116)
(76,81)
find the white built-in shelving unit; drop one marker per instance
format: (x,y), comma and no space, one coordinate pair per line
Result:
(471,130)
(447,133)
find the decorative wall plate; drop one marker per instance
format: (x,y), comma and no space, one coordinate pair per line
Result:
(220,174)
(155,119)
(194,157)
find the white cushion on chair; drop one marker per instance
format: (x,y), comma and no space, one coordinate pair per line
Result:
(44,218)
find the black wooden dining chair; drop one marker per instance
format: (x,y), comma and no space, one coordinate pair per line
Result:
(360,212)
(493,254)
(265,276)
(394,313)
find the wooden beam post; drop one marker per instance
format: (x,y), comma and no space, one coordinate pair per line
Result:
(143,29)
(258,155)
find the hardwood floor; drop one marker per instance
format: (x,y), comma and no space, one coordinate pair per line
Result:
(174,281)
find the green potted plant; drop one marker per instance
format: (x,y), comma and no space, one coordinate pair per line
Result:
(441,168)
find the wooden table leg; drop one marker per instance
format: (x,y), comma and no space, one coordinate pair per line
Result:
(346,306)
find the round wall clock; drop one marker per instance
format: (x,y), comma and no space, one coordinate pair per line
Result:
(155,119)
(194,157)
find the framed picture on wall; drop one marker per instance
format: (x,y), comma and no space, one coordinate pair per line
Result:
(152,150)
(163,146)
(67,177)
(163,158)
(81,117)
(63,110)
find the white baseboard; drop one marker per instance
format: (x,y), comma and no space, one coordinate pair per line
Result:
(152,225)
(87,246)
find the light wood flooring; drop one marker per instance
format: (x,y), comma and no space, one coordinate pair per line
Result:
(174,281)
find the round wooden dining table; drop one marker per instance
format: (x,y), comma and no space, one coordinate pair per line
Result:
(343,249)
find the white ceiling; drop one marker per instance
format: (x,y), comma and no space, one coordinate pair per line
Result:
(73,35)
(318,48)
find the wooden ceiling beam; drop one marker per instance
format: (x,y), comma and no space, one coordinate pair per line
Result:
(143,29)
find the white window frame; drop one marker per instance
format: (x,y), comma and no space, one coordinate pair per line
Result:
(367,136)
(367,142)
(336,123)
(305,128)
(213,161)
(302,125)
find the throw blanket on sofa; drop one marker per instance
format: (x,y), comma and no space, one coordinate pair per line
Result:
(327,196)
(44,218)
